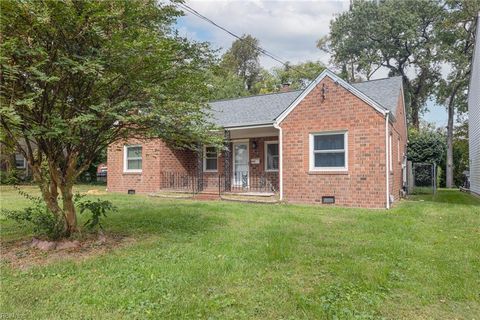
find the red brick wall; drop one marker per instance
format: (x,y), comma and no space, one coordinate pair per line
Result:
(364,183)
(257,170)
(211,179)
(156,157)
(399,143)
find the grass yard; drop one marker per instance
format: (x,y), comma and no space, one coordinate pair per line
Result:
(223,260)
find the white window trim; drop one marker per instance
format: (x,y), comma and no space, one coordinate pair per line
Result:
(205,159)
(311,152)
(266,143)
(390,153)
(24,165)
(125,162)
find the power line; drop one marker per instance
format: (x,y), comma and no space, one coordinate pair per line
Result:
(260,49)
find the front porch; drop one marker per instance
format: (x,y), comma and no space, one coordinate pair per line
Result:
(247,167)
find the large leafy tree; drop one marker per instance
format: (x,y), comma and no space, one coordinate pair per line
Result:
(224,84)
(79,75)
(242,59)
(397,35)
(455,39)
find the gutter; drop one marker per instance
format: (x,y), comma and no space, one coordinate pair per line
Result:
(249,126)
(387,169)
(280,151)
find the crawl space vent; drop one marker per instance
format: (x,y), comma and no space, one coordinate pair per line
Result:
(131,191)
(328,199)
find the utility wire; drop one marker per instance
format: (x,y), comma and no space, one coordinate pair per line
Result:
(260,49)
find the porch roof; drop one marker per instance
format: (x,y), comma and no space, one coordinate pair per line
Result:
(265,109)
(251,111)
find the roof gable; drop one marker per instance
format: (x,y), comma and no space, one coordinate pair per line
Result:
(381,94)
(340,81)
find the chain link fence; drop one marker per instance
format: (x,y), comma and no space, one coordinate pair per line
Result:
(421,178)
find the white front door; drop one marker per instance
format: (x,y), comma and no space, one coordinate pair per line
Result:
(240,164)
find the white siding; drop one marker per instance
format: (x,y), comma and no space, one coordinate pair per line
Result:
(474,116)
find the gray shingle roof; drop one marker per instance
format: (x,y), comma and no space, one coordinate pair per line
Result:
(254,110)
(264,109)
(383,91)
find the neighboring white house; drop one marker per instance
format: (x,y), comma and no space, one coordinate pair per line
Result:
(474,115)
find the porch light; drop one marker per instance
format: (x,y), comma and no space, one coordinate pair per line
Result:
(254,145)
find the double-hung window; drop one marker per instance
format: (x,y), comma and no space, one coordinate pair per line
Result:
(133,158)
(329,151)
(20,162)
(271,156)
(210,159)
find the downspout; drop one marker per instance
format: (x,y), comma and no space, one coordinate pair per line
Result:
(280,150)
(387,169)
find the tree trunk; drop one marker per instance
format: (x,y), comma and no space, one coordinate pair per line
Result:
(49,188)
(414,114)
(69,209)
(451,114)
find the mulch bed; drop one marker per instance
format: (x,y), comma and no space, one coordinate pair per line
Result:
(25,254)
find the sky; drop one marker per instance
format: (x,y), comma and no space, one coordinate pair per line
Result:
(289,29)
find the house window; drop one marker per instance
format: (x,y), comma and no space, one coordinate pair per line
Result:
(210,159)
(20,162)
(133,158)
(271,156)
(328,151)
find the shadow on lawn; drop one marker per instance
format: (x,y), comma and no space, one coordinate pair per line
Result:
(163,218)
(452,196)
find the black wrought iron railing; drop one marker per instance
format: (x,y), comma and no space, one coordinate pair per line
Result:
(179,181)
(240,181)
(245,181)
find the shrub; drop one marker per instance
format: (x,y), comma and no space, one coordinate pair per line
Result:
(8,177)
(44,222)
(97,210)
(427,146)
(47,224)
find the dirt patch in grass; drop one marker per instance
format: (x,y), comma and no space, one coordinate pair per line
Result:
(23,255)
(96,192)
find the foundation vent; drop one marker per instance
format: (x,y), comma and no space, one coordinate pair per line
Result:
(328,199)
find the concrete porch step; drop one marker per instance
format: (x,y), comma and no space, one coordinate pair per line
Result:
(207,196)
(240,197)
(210,194)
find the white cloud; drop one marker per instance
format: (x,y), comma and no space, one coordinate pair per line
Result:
(289,29)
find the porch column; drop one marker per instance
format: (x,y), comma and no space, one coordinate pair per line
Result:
(280,165)
(227,160)
(199,168)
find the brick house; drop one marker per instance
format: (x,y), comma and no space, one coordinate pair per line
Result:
(332,142)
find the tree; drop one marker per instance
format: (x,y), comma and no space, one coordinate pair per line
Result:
(460,153)
(456,38)
(224,84)
(297,76)
(397,35)
(242,59)
(77,76)
(426,145)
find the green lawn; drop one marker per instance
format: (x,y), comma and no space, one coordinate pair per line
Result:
(220,260)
